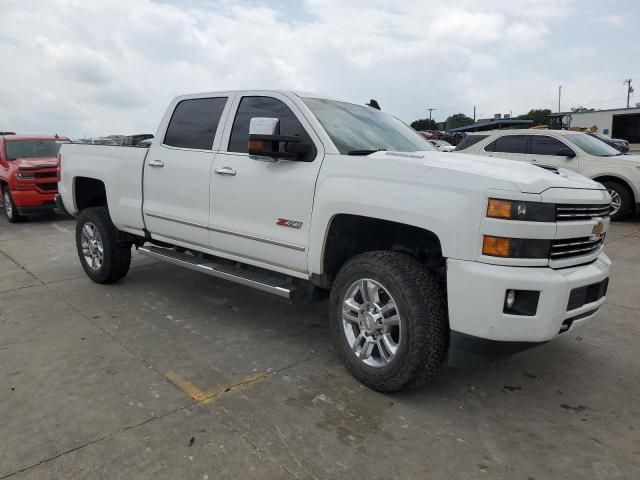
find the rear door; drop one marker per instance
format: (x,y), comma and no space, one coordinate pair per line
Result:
(513,147)
(261,209)
(178,168)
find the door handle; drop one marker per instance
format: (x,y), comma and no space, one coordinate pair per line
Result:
(156,163)
(225,171)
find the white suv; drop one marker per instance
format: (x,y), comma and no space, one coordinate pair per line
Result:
(575,151)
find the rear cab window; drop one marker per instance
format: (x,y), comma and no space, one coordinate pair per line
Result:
(194,123)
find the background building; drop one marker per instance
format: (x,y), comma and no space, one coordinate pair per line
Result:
(616,123)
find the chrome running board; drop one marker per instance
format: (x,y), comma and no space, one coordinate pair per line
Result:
(249,278)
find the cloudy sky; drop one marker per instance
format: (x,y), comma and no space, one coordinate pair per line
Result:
(105,67)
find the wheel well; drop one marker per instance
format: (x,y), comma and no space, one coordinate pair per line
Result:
(619,180)
(351,235)
(89,192)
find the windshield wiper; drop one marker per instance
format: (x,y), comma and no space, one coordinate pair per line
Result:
(365,152)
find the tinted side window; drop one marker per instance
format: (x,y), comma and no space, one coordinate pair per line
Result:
(263,107)
(194,123)
(469,140)
(509,144)
(543,145)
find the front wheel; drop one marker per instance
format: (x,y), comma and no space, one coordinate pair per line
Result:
(10,209)
(621,200)
(389,320)
(104,259)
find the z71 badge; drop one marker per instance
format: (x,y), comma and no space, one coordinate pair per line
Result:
(289,223)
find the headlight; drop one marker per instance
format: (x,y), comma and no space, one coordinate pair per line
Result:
(25,176)
(515,247)
(520,210)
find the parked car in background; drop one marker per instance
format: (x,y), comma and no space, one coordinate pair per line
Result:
(426,256)
(29,174)
(97,141)
(428,134)
(442,145)
(133,140)
(575,151)
(618,143)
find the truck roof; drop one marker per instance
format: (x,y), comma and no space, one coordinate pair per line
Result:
(17,138)
(298,93)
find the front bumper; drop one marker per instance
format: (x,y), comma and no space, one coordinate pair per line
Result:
(476,293)
(59,206)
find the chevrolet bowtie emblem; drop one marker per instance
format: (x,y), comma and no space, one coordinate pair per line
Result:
(598,229)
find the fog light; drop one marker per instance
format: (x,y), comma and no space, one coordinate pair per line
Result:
(510,299)
(521,302)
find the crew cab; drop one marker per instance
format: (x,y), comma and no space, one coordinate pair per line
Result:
(426,257)
(28,174)
(577,151)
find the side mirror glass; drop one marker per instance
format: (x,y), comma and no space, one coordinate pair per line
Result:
(565,152)
(265,141)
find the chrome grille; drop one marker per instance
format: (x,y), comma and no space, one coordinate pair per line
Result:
(574,247)
(581,212)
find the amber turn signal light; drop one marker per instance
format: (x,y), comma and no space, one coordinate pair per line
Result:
(496,246)
(257,145)
(499,208)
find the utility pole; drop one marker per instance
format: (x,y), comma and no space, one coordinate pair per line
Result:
(629,90)
(474,114)
(430,110)
(559,96)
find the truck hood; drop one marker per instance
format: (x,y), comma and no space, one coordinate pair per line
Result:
(35,163)
(527,177)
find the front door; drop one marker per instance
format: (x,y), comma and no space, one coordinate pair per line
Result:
(177,172)
(544,149)
(261,209)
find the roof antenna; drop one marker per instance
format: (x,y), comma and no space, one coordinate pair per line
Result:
(374,104)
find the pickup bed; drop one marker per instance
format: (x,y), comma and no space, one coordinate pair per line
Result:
(427,257)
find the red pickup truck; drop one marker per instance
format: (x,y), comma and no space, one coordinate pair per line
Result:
(29,174)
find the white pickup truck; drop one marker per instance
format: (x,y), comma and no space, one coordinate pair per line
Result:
(429,257)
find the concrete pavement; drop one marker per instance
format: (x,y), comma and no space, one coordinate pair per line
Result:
(172,374)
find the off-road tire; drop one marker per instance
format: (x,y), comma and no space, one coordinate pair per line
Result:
(626,199)
(14,217)
(422,306)
(117,256)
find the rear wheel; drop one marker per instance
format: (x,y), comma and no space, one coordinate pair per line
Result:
(389,320)
(104,259)
(10,208)
(621,200)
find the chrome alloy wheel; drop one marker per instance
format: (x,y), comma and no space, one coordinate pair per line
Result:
(616,202)
(371,322)
(7,204)
(92,248)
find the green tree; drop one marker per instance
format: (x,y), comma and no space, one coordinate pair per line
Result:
(424,124)
(539,116)
(458,120)
(582,109)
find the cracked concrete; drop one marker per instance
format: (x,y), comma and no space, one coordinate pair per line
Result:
(172,374)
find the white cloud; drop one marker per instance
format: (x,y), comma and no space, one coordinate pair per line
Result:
(103,67)
(614,20)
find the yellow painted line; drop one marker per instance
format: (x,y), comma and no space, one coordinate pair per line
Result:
(206,397)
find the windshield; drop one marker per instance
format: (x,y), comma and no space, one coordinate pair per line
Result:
(592,145)
(356,128)
(32,148)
